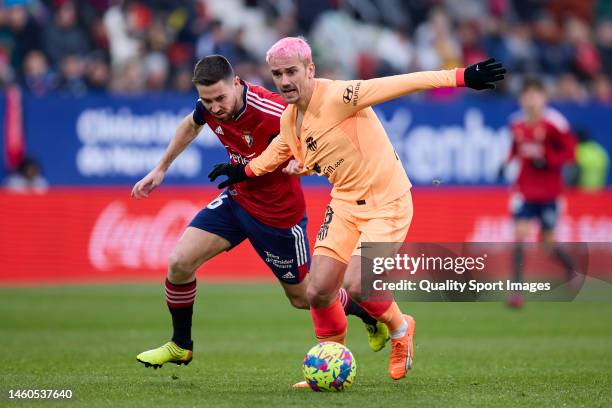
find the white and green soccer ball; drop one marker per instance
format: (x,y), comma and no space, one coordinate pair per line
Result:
(329,366)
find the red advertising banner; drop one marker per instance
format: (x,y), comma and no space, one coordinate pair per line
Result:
(103,235)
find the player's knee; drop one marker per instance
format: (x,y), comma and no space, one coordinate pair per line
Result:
(299,302)
(354,291)
(180,268)
(319,297)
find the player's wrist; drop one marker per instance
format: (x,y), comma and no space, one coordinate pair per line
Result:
(247,170)
(162,166)
(460,77)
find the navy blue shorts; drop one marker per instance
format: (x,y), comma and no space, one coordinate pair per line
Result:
(546,213)
(284,250)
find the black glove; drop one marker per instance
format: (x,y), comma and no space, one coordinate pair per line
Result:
(484,74)
(235,173)
(539,164)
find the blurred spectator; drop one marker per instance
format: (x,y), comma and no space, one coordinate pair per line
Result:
(562,9)
(604,44)
(436,44)
(129,78)
(467,10)
(495,39)
(6,70)
(156,71)
(37,75)
(569,89)
(522,50)
(528,9)
(309,10)
(124,46)
(554,55)
(27,178)
(72,75)
(471,46)
(592,163)
(22,33)
(182,80)
(602,89)
(586,62)
(250,72)
(99,36)
(63,36)
(219,40)
(567,42)
(97,73)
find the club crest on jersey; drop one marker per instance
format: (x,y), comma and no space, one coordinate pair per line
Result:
(246,135)
(311,143)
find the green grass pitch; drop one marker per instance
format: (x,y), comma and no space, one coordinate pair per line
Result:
(250,343)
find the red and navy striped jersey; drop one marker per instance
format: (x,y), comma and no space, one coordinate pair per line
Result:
(275,199)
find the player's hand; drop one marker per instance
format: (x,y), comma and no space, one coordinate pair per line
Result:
(539,163)
(148,183)
(484,74)
(294,168)
(235,173)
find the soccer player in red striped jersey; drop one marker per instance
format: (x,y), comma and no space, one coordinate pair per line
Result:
(541,143)
(269,211)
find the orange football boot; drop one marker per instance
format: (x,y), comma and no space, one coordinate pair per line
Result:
(301,384)
(402,351)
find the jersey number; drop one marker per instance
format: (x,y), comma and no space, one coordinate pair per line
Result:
(216,202)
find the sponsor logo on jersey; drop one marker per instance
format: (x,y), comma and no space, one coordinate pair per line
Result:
(356,93)
(328,170)
(219,131)
(246,135)
(238,158)
(348,94)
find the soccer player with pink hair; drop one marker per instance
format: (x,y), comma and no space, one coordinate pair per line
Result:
(330,128)
(267,211)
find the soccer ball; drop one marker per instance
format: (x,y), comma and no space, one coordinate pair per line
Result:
(329,366)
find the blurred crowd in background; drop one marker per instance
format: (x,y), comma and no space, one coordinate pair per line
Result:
(131,47)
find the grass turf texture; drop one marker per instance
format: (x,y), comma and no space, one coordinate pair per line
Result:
(250,343)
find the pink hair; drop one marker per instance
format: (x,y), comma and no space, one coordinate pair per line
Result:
(289,47)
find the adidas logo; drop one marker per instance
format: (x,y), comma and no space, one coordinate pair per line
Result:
(219,131)
(288,275)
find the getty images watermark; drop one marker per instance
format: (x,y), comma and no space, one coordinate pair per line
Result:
(486,271)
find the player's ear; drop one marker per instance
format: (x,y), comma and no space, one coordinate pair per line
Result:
(310,70)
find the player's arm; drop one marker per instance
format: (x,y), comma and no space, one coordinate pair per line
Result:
(186,131)
(356,95)
(563,149)
(275,154)
(512,154)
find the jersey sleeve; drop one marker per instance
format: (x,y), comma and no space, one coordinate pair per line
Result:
(352,96)
(513,152)
(199,113)
(562,148)
(276,153)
